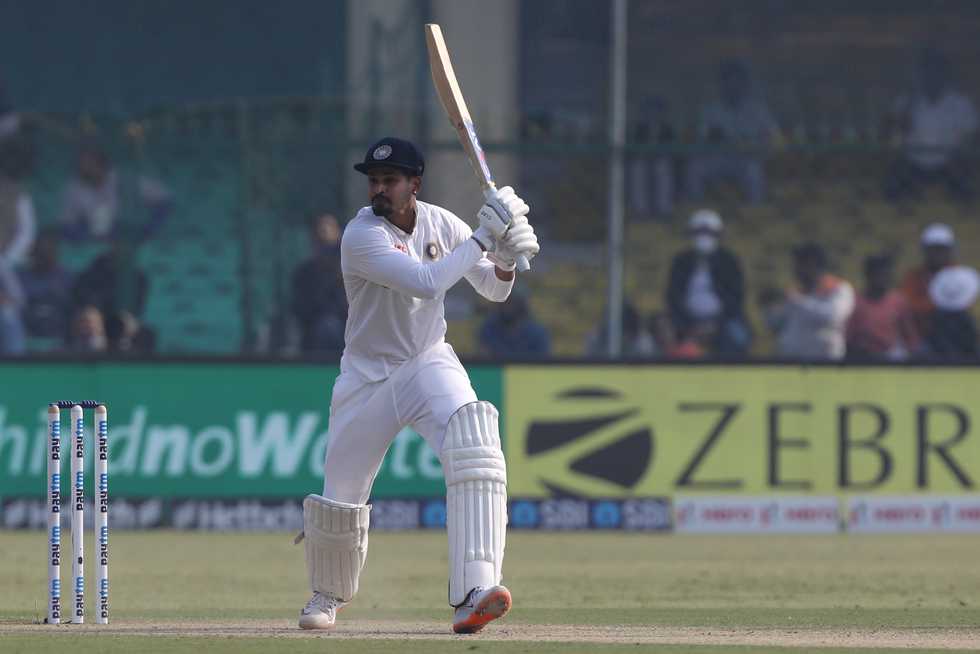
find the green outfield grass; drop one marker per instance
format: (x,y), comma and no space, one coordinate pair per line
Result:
(925,586)
(164,645)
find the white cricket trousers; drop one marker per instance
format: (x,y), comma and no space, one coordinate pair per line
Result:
(423,393)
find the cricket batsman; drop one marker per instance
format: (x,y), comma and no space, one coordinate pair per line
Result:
(399,256)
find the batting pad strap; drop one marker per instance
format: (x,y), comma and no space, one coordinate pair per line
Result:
(472,463)
(476,499)
(336,537)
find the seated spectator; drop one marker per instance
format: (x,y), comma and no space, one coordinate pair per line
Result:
(810,321)
(936,126)
(125,334)
(706,288)
(47,292)
(881,326)
(113,282)
(17,221)
(100,197)
(512,332)
(651,175)
(637,341)
(953,332)
(738,119)
(938,252)
(116,286)
(87,334)
(12,340)
(319,301)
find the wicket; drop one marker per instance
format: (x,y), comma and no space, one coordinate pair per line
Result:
(101,522)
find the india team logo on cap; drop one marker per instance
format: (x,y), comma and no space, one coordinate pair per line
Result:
(382,152)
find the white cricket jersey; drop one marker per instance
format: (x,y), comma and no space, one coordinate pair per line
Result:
(396,283)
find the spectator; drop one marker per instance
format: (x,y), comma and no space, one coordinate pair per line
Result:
(319,301)
(47,292)
(100,197)
(810,321)
(512,331)
(706,288)
(936,125)
(953,332)
(113,282)
(938,252)
(88,333)
(881,326)
(115,285)
(125,334)
(637,341)
(652,172)
(11,303)
(738,119)
(17,222)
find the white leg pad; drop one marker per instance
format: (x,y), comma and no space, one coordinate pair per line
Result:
(336,535)
(476,499)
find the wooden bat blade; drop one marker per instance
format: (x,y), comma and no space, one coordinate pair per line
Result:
(447,88)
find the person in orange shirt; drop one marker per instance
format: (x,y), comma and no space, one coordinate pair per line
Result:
(938,252)
(881,326)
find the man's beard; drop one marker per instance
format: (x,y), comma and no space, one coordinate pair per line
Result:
(381,206)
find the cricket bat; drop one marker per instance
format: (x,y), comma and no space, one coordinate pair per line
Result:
(452,101)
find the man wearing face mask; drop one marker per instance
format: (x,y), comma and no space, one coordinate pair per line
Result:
(706,287)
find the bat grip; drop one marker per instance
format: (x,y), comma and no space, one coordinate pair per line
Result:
(522,263)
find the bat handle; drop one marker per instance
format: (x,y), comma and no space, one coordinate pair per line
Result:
(522,263)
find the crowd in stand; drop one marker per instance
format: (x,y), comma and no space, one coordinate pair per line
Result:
(820,317)
(935,124)
(42,305)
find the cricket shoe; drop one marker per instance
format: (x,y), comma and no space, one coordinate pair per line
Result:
(320,612)
(481,606)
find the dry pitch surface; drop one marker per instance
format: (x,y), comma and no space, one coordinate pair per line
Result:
(573,592)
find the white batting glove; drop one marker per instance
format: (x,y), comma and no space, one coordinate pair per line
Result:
(497,215)
(520,238)
(500,210)
(503,257)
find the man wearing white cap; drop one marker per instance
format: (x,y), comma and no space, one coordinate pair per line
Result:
(706,287)
(953,332)
(938,252)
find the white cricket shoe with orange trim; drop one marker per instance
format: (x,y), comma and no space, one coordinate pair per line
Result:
(320,612)
(482,605)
